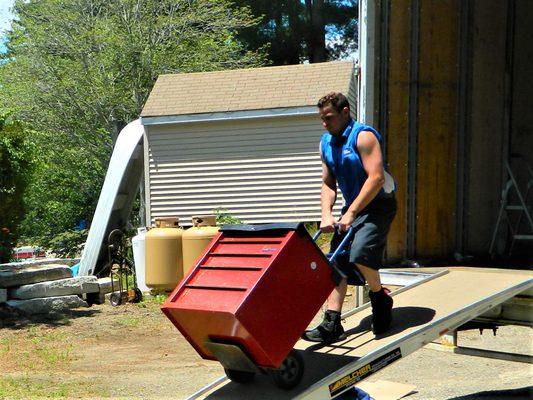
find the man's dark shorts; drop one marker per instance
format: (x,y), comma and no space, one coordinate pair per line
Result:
(371,228)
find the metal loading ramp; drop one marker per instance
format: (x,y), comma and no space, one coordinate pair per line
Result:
(422,312)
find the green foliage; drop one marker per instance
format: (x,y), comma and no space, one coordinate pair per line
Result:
(63,190)
(78,71)
(16,153)
(66,244)
(7,242)
(223,217)
(86,68)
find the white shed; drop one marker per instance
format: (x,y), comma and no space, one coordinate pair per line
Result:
(245,141)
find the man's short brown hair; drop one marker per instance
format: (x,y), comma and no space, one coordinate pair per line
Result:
(336,99)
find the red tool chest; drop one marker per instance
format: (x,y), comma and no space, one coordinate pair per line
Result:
(256,287)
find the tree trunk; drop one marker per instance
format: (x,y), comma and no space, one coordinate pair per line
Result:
(317,38)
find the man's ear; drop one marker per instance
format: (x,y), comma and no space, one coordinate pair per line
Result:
(345,111)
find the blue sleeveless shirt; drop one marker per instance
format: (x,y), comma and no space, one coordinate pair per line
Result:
(342,158)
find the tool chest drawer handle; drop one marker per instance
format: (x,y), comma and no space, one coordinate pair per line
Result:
(261,240)
(233,288)
(230,268)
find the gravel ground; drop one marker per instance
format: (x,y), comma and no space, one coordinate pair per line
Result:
(440,375)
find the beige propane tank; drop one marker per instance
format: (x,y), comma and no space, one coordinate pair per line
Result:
(163,257)
(196,239)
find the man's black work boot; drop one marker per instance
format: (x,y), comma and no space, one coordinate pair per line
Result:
(329,331)
(381,310)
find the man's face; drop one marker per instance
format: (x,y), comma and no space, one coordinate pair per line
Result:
(334,122)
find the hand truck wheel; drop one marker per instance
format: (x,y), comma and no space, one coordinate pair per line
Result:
(239,376)
(138,295)
(115,299)
(291,371)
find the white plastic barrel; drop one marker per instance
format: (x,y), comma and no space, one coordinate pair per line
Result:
(139,250)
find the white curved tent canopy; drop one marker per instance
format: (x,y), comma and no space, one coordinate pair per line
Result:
(116,198)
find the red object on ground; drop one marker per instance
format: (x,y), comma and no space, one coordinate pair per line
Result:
(258,290)
(22,253)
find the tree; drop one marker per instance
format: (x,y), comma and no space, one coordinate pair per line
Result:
(64,189)
(16,154)
(77,71)
(80,66)
(296,30)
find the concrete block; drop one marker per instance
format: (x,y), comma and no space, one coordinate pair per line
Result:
(102,295)
(99,298)
(3,295)
(89,284)
(60,287)
(41,261)
(18,276)
(95,298)
(47,304)
(106,286)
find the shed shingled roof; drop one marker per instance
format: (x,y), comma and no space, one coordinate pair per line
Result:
(246,89)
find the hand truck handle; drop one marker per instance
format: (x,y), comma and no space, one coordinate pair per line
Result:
(341,246)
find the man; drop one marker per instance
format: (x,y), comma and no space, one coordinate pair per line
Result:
(352,157)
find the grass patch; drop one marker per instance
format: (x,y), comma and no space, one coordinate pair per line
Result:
(5,346)
(52,348)
(323,240)
(30,387)
(131,321)
(37,348)
(53,356)
(156,300)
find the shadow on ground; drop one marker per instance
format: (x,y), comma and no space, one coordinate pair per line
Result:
(525,393)
(403,318)
(11,318)
(316,367)
(320,365)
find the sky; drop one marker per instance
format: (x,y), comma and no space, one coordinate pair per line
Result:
(5,20)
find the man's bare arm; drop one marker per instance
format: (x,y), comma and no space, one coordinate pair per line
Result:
(370,152)
(328,196)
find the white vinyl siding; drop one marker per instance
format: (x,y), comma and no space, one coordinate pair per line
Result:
(352,96)
(261,171)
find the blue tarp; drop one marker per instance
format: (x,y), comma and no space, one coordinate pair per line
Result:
(355,394)
(75,268)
